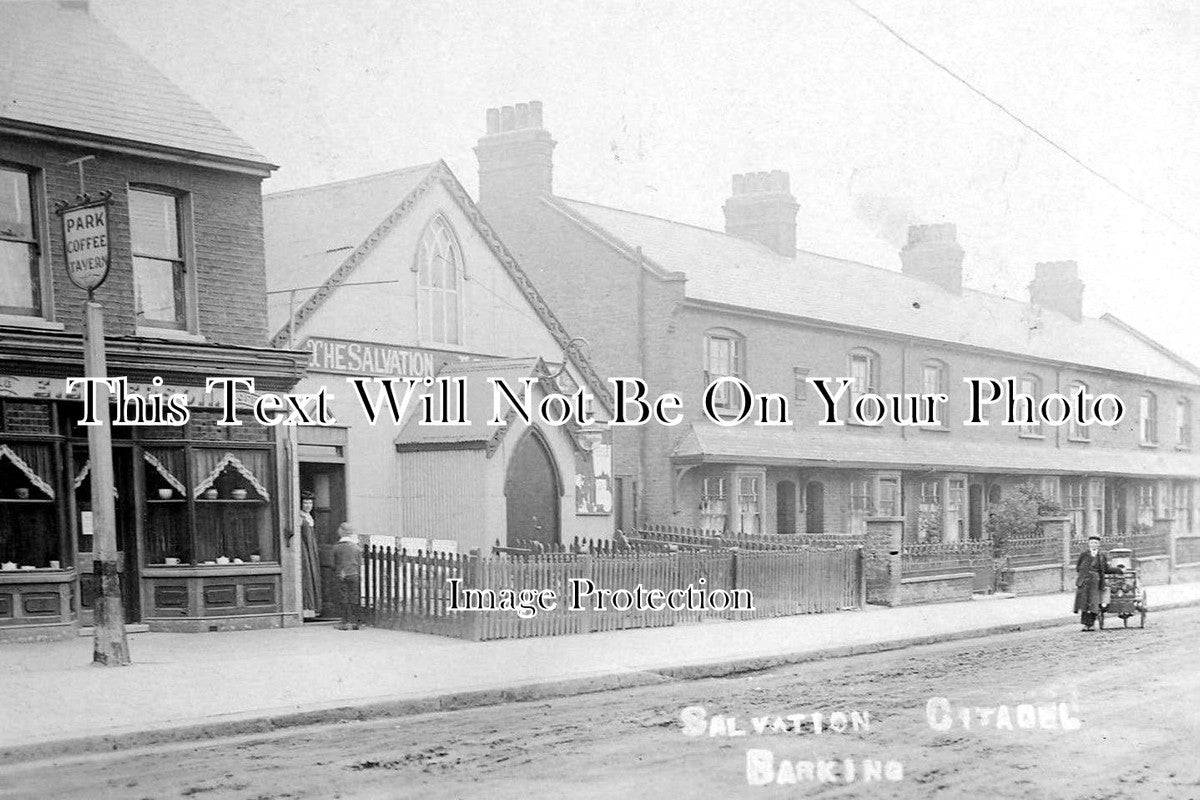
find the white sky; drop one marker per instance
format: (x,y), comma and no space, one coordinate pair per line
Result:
(655,105)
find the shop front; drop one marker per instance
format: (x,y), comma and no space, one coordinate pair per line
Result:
(203,517)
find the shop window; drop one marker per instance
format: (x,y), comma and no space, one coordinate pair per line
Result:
(159,268)
(1075,431)
(439,285)
(166,492)
(233,517)
(1148,418)
(20,248)
(1183,423)
(724,356)
(1031,386)
(29,529)
(713,504)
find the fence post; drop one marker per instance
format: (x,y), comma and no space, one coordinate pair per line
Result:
(882,560)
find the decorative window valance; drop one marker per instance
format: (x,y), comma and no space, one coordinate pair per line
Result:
(35,461)
(168,463)
(248,463)
(83,476)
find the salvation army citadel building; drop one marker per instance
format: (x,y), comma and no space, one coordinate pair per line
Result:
(203,513)
(398,276)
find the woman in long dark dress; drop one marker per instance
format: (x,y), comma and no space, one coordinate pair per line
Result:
(310,558)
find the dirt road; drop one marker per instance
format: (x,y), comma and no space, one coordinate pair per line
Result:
(1132,695)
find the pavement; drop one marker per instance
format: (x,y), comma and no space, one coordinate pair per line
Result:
(55,703)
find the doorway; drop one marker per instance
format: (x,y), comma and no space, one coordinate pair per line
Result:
(814,507)
(327,482)
(785,507)
(125,521)
(975,512)
(532,491)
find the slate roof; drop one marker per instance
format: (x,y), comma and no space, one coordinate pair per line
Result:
(725,269)
(310,232)
(813,445)
(61,69)
(478,404)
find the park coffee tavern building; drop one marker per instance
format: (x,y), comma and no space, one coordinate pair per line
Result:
(681,305)
(203,513)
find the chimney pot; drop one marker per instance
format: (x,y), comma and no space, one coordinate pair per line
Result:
(515,155)
(933,254)
(761,208)
(1056,285)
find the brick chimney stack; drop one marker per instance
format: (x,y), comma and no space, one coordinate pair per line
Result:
(515,155)
(762,208)
(932,254)
(1056,285)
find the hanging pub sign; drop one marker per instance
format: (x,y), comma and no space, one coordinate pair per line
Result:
(85,236)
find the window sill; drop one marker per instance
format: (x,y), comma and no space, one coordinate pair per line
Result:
(38,323)
(1150,445)
(934,428)
(1031,436)
(168,333)
(1079,440)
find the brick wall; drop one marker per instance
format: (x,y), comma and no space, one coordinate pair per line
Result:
(229,268)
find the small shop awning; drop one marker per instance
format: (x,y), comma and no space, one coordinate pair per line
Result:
(811,445)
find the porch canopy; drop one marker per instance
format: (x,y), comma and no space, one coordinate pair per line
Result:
(858,447)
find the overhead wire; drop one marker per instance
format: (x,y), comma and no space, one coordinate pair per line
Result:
(1026,125)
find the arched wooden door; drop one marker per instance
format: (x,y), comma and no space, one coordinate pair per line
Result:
(532,492)
(814,507)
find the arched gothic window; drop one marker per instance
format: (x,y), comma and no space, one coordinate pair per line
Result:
(439,285)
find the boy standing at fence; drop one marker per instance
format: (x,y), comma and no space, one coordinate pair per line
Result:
(347,568)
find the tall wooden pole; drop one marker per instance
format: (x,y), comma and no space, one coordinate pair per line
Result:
(110,648)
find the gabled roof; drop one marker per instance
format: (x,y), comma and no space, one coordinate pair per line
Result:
(816,446)
(318,237)
(311,232)
(62,71)
(731,271)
